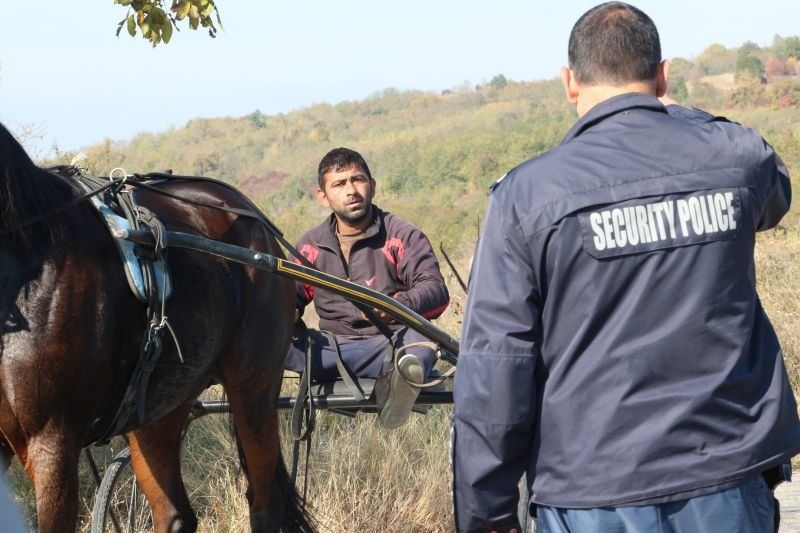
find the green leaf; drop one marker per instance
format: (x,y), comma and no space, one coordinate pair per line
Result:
(158,16)
(123,2)
(132,26)
(194,23)
(182,10)
(145,27)
(166,32)
(120,25)
(208,10)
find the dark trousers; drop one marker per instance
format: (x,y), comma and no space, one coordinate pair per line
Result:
(746,508)
(364,356)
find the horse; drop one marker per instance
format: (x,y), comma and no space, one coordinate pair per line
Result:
(70,334)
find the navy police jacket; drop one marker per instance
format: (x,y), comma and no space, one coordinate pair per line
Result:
(614,346)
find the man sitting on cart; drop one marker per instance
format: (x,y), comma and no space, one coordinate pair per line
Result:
(369,246)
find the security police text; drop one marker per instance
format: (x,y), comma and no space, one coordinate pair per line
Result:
(663,221)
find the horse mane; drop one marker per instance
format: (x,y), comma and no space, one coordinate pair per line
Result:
(28,191)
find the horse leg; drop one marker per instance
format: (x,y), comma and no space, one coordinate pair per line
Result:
(256,421)
(155,458)
(51,461)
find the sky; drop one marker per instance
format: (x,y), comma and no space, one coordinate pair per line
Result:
(64,71)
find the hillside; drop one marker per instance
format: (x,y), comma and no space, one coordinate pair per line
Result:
(434,154)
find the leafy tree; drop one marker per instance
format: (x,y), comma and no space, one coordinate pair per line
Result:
(775,67)
(678,89)
(257,119)
(156,22)
(498,82)
(681,68)
(716,59)
(749,66)
(749,91)
(786,47)
(749,49)
(784,94)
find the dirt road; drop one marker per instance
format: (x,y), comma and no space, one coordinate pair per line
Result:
(789,496)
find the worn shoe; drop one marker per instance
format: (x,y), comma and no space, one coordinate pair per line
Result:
(402,395)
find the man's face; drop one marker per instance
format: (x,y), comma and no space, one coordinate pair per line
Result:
(348,193)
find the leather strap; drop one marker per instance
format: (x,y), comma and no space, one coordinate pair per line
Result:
(346,374)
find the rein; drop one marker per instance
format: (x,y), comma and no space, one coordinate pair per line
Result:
(52,212)
(255,213)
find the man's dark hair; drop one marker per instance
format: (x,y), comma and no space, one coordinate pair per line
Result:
(340,159)
(614,43)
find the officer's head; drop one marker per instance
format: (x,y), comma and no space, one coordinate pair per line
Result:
(613,49)
(346,186)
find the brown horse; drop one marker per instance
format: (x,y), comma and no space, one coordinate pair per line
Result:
(70,335)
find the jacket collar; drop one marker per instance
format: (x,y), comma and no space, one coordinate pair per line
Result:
(610,107)
(328,238)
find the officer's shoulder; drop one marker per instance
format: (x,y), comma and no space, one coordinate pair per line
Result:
(695,115)
(748,141)
(528,173)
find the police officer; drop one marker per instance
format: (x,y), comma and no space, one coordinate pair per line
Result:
(614,347)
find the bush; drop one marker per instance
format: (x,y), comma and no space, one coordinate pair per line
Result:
(749,91)
(784,94)
(748,66)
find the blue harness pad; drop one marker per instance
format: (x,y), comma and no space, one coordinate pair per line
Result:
(131,263)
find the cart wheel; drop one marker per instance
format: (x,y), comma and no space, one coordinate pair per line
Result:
(120,506)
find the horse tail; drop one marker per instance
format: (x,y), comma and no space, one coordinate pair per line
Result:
(296,518)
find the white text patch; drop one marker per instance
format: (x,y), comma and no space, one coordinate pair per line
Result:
(655,223)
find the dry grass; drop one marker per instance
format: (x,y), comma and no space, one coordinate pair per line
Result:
(778,272)
(723,82)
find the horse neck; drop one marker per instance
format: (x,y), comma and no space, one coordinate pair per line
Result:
(28,192)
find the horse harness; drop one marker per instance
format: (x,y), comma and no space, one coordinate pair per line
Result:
(148,277)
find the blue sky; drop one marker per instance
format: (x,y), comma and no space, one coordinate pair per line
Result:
(63,70)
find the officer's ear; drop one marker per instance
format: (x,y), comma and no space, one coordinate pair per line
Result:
(662,74)
(571,87)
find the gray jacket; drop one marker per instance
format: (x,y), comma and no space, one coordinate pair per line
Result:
(614,346)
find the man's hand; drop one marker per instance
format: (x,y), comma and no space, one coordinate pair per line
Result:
(383,316)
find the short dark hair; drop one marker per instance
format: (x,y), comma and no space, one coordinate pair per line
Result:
(614,43)
(340,159)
